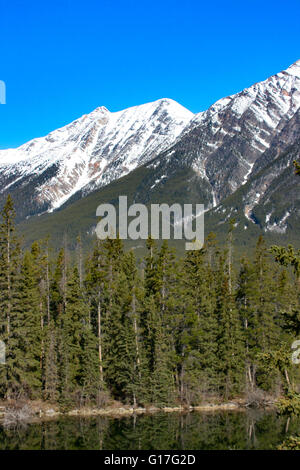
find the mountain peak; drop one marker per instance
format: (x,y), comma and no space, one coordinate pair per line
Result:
(169,103)
(294,69)
(101,109)
(91,151)
(222,144)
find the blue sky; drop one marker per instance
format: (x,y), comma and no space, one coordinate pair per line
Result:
(63,58)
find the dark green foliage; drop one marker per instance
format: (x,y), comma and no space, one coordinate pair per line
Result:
(290,404)
(10,317)
(292,443)
(30,327)
(199,326)
(162,330)
(231,347)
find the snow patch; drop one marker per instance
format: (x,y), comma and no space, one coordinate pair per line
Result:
(279,227)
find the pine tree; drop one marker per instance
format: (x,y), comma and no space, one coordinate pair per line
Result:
(40,268)
(74,321)
(136,371)
(30,327)
(10,261)
(245,291)
(120,345)
(230,338)
(94,287)
(51,384)
(264,305)
(90,382)
(58,288)
(157,321)
(161,377)
(258,302)
(201,327)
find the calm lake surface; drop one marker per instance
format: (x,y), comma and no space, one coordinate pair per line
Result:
(193,431)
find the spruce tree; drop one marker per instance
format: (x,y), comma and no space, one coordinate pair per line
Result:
(10,262)
(231,351)
(30,327)
(201,327)
(95,282)
(74,321)
(51,367)
(157,321)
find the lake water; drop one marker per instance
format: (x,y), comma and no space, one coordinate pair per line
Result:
(193,431)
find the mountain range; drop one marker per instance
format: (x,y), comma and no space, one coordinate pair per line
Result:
(236,158)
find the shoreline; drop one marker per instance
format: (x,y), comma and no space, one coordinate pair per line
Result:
(40,412)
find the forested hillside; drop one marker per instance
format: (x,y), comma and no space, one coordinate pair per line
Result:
(159,330)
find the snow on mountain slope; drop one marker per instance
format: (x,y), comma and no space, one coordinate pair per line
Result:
(269,203)
(91,151)
(223,146)
(268,100)
(224,143)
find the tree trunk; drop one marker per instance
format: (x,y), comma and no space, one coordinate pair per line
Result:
(136,335)
(100,341)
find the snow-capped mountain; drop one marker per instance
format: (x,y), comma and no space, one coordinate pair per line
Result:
(226,144)
(88,153)
(217,152)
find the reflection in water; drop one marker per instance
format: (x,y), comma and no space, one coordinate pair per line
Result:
(220,430)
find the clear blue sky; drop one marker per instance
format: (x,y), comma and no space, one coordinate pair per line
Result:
(63,58)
